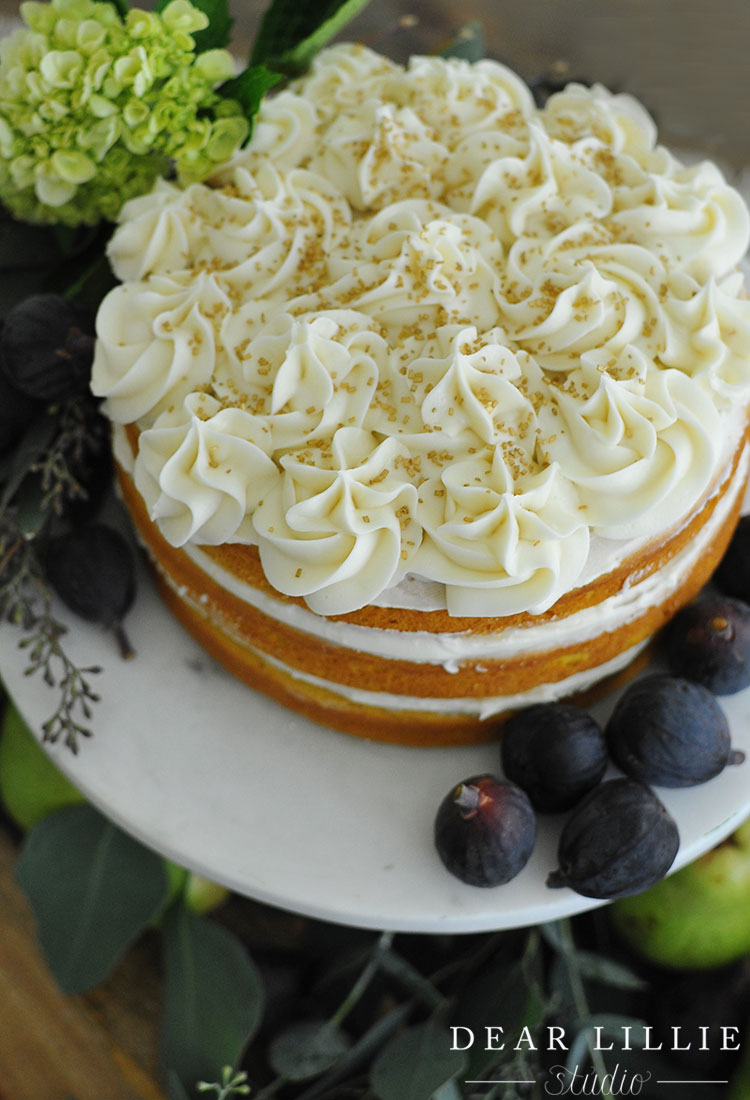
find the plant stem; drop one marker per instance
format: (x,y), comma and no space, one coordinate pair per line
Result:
(579,999)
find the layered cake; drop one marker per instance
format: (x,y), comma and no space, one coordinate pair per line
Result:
(431,403)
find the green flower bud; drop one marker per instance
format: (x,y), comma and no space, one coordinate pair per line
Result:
(73,167)
(179,15)
(215,66)
(61,68)
(90,36)
(52,190)
(226,135)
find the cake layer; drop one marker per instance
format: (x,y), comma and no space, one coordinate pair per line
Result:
(343,672)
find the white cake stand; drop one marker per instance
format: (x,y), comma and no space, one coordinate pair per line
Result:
(229,784)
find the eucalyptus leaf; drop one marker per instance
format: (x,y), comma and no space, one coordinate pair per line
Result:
(578,1055)
(416,1062)
(175,1088)
(468,43)
(213,1001)
(597,968)
(410,978)
(552,934)
(93,890)
(291,33)
(33,511)
(502,994)
(307,1049)
(361,1053)
(448,1091)
(34,442)
(249,87)
(613,1025)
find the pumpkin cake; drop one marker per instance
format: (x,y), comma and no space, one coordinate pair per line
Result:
(431,403)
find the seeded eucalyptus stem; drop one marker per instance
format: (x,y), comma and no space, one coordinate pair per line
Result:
(25,601)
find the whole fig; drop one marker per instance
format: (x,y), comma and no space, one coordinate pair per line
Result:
(47,348)
(732,576)
(619,840)
(92,569)
(485,830)
(554,751)
(709,642)
(670,732)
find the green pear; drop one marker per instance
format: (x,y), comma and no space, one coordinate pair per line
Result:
(199,894)
(697,917)
(31,786)
(196,892)
(202,895)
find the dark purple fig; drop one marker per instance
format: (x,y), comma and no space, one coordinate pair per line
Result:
(670,732)
(92,569)
(733,573)
(709,642)
(485,830)
(556,752)
(47,348)
(618,841)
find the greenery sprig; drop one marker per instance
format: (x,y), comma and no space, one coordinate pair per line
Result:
(25,600)
(231,1084)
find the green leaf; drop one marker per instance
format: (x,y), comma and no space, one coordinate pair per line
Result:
(596,968)
(416,1063)
(291,33)
(32,512)
(307,1048)
(448,1091)
(219,30)
(507,992)
(34,442)
(613,1024)
(175,1088)
(361,1053)
(213,1001)
(249,87)
(468,43)
(552,933)
(93,890)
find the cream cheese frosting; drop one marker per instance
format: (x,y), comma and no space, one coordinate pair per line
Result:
(421,327)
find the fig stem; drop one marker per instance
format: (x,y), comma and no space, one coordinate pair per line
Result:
(468,799)
(126,650)
(556,880)
(736,756)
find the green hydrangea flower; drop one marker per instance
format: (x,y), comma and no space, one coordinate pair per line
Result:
(94,107)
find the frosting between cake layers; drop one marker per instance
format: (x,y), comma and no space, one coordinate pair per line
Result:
(449,649)
(420,326)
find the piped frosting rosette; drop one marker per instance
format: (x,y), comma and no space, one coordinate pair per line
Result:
(339,527)
(420,326)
